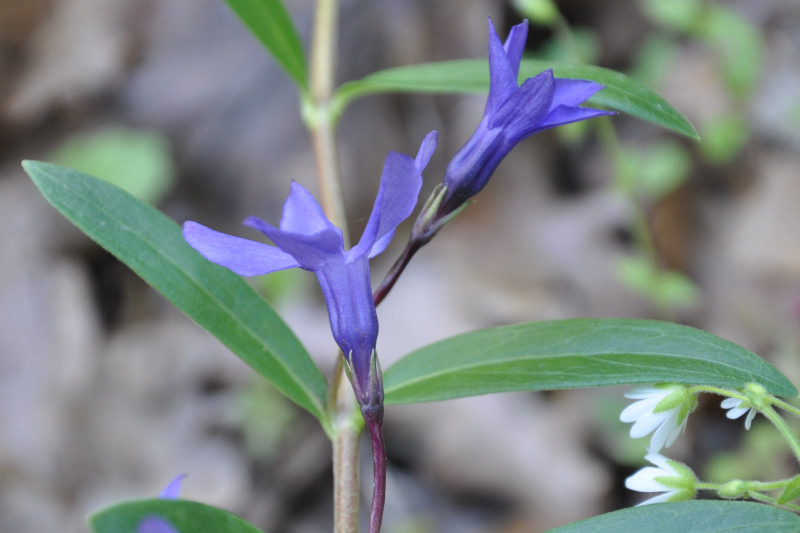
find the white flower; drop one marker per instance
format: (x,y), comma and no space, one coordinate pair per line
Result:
(676,480)
(737,408)
(661,410)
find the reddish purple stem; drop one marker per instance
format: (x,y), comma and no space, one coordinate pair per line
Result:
(373,416)
(397,268)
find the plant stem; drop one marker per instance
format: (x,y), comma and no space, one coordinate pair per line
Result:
(374,423)
(347,429)
(783,428)
(394,273)
(786,406)
(718,390)
(320,122)
(626,183)
(347,424)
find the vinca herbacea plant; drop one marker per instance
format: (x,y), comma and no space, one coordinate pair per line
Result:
(199,269)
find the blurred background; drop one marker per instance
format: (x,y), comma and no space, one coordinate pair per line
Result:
(107,391)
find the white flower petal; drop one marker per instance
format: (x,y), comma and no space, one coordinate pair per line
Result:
(658,499)
(727,403)
(644,480)
(660,461)
(666,424)
(749,420)
(664,434)
(646,392)
(639,409)
(735,412)
(647,424)
(647,479)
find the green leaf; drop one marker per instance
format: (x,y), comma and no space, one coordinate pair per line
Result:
(138,162)
(678,15)
(542,12)
(272,25)
(659,169)
(699,516)
(724,137)
(575,353)
(791,492)
(184,516)
(740,46)
(664,288)
(152,245)
(621,93)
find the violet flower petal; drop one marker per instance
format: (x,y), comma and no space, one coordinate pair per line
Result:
(515,44)
(243,256)
(526,108)
(311,252)
(573,92)
(172,490)
(154,524)
(303,214)
(504,63)
(307,239)
(397,196)
(512,113)
(567,115)
(426,149)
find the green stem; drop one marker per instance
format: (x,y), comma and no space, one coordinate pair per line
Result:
(317,114)
(754,490)
(625,181)
(786,406)
(763,498)
(783,428)
(718,390)
(347,430)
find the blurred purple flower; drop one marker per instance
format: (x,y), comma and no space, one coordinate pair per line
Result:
(307,239)
(171,491)
(512,114)
(155,524)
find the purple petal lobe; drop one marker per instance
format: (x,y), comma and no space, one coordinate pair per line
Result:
(526,108)
(502,74)
(303,214)
(310,252)
(155,525)
(172,490)
(566,115)
(515,45)
(244,257)
(426,150)
(401,181)
(573,92)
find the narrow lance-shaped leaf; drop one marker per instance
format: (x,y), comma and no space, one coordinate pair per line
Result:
(182,515)
(575,353)
(272,25)
(151,244)
(691,517)
(621,92)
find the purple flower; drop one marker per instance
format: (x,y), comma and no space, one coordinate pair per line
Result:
(171,491)
(307,239)
(155,524)
(512,114)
